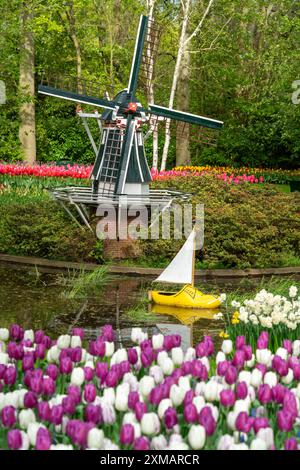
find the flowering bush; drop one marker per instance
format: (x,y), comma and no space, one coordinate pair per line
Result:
(277,313)
(62,395)
(185,173)
(68,171)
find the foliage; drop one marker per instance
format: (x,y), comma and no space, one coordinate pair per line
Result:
(87,283)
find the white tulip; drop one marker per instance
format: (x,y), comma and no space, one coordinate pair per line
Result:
(132,381)
(184,383)
(129,418)
(137,429)
(109,348)
(95,438)
(196,437)
(211,391)
(245,376)
(199,403)
(163,406)
(199,389)
(26,417)
(267,435)
(4,358)
(256,378)
(242,405)
(190,354)
(53,354)
(12,399)
(159,442)
(76,342)
(227,346)
(177,356)
(251,362)
(258,444)
(214,410)
(32,431)
(178,446)
(177,395)
(122,392)
(157,373)
(109,395)
(296,347)
(225,442)
(161,357)
(231,419)
(282,352)
(288,378)
(119,356)
(167,366)
(4,334)
(77,376)
(61,447)
(270,379)
(150,424)
(29,334)
(241,446)
(157,341)
(220,357)
(147,383)
(89,364)
(205,362)
(64,341)
(264,356)
(135,334)
(21,394)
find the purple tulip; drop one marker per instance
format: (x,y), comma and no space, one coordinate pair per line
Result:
(291,444)
(78,431)
(288,345)
(2,370)
(188,398)
(132,356)
(43,408)
(43,439)
(40,351)
(101,371)
(240,342)
(141,443)
(93,414)
(156,395)
(10,375)
(241,390)
(48,386)
(170,418)
(69,405)
(296,371)
(66,366)
(75,392)
(260,423)
(30,400)
(201,350)
(278,392)
(290,403)
(222,368)
(243,423)
(285,421)
(89,373)
(207,420)
(262,368)
(168,342)
(99,348)
(38,336)
(46,341)
(146,358)
(127,434)
(231,375)
(27,362)
(248,352)
(56,414)
(78,332)
(52,371)
(209,345)
(8,416)
(124,367)
(16,333)
(238,359)
(140,409)
(14,439)
(263,340)
(190,413)
(112,378)
(89,393)
(76,354)
(108,333)
(227,398)
(187,367)
(264,394)
(36,384)
(133,398)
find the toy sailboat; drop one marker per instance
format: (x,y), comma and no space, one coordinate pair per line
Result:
(181,270)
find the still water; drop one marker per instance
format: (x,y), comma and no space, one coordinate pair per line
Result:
(37,301)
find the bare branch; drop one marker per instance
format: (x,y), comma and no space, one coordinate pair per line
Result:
(198,28)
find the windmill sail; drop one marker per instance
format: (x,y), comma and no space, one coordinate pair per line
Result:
(181,268)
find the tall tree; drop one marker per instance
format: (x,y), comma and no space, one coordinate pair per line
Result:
(27,129)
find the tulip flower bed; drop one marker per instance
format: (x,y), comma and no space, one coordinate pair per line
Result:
(71,394)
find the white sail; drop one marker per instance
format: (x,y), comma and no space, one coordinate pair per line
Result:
(180,270)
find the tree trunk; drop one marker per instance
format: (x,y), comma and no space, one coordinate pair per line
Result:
(27,133)
(175,79)
(74,37)
(183,156)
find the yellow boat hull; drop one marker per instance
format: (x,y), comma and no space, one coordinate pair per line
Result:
(187,297)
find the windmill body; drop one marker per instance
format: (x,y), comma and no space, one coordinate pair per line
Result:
(120,167)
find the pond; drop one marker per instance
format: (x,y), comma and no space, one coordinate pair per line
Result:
(36,300)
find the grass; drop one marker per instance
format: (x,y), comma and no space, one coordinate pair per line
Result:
(87,284)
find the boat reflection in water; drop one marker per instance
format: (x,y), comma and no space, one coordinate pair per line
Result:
(187,317)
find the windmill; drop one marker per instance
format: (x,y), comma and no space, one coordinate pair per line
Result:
(120,167)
